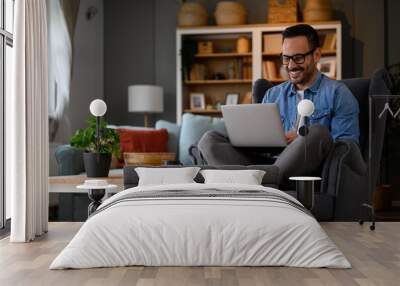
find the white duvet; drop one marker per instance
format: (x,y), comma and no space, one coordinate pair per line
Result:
(206,231)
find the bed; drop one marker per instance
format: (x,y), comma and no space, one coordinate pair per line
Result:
(201,224)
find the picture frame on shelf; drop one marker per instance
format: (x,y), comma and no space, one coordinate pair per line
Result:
(327,66)
(197,100)
(232,98)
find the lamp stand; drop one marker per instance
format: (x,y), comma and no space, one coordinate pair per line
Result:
(97,133)
(146,119)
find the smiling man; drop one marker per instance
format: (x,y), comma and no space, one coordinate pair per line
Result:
(335,116)
(335,106)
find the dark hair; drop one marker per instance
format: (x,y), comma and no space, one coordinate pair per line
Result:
(302,30)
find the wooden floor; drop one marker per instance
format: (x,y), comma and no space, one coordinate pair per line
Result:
(375,257)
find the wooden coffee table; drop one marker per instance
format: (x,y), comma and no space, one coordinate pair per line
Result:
(67,184)
(148,158)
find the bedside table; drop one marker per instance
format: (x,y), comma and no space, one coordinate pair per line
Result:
(96,192)
(305,190)
(73,202)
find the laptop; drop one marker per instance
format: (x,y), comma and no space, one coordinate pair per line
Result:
(254,125)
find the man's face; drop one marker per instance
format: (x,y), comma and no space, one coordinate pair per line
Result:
(300,73)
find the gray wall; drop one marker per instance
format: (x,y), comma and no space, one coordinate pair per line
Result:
(393,32)
(139,48)
(139,45)
(87,70)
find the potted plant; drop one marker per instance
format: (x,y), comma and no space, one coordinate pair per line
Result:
(97,150)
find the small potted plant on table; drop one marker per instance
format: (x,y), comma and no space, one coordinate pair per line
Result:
(99,143)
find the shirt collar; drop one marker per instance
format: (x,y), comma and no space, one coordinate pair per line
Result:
(313,88)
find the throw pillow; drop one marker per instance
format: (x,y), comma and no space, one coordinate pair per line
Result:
(162,176)
(247,177)
(192,129)
(173,134)
(142,141)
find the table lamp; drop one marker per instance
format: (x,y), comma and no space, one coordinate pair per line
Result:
(145,99)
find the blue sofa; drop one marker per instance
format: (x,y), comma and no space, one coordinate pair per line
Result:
(180,138)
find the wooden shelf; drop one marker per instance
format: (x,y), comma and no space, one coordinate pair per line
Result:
(328,52)
(219,81)
(323,52)
(281,26)
(223,55)
(203,111)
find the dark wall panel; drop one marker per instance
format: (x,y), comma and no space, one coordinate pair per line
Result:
(368,37)
(393,31)
(165,55)
(128,54)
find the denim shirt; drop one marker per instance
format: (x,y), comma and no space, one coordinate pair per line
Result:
(335,106)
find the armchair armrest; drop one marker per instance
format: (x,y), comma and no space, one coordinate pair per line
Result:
(345,153)
(353,158)
(69,160)
(345,177)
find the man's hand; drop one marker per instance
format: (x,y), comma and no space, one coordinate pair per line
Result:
(291,135)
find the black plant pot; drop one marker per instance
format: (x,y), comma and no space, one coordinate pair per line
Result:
(96,164)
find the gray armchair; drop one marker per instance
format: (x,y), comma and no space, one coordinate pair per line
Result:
(344,185)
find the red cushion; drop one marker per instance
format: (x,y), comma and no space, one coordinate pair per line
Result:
(142,141)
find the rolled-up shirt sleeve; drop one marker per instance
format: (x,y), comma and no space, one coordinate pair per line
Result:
(344,124)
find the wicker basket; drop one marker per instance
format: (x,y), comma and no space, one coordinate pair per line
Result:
(317,11)
(192,14)
(230,13)
(282,11)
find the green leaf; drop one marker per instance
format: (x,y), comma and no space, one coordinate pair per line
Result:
(86,138)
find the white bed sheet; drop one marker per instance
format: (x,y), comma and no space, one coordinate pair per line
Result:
(193,231)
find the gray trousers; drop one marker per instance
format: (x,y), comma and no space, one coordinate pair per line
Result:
(304,156)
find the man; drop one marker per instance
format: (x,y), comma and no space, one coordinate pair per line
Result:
(335,116)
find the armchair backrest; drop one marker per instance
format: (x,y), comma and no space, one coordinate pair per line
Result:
(360,89)
(260,87)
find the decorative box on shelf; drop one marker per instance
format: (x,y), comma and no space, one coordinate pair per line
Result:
(148,158)
(205,47)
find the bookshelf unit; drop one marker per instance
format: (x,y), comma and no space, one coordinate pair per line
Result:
(224,70)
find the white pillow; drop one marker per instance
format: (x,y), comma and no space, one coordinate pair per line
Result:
(248,177)
(165,176)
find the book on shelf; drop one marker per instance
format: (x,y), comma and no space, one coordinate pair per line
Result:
(329,42)
(198,72)
(246,68)
(243,68)
(239,69)
(270,70)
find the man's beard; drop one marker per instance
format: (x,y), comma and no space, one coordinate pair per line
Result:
(303,78)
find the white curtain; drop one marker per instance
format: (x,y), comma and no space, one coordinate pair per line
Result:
(27,122)
(60,57)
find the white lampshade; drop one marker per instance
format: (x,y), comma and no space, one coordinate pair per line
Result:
(305,107)
(98,107)
(145,98)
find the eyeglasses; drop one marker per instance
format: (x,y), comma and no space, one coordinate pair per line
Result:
(297,58)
